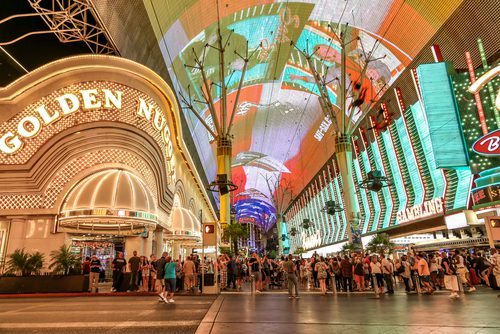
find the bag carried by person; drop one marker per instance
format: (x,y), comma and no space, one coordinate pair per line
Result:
(494,281)
(451,282)
(401,269)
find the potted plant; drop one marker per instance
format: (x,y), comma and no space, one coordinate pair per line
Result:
(24,263)
(63,261)
(28,265)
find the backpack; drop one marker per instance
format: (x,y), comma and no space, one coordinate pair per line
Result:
(401,268)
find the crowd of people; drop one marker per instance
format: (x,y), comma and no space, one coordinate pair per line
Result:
(421,272)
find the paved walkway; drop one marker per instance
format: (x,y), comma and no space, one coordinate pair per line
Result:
(83,315)
(353,313)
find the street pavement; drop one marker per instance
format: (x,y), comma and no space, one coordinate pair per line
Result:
(269,312)
(102,314)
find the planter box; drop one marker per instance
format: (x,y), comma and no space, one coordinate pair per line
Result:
(44,284)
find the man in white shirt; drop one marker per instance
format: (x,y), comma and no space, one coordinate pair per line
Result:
(387,270)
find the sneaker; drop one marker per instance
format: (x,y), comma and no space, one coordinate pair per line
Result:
(472,289)
(258,291)
(298,297)
(160,300)
(290,297)
(171,300)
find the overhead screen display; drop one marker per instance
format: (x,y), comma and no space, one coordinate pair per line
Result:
(280,130)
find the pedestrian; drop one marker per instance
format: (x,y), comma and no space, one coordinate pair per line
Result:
(424,272)
(376,270)
(145,270)
(347,269)
(160,273)
(387,270)
(293,283)
(153,273)
(95,270)
(255,267)
(86,266)
(170,280)
(405,273)
(119,264)
(459,262)
(189,271)
(134,266)
(231,272)
(450,278)
(321,268)
(359,274)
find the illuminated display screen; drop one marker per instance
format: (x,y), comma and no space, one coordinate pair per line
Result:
(279,127)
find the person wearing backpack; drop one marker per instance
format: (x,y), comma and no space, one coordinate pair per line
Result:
(359,274)
(404,272)
(321,267)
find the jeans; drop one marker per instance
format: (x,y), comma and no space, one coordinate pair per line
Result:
(117,279)
(388,282)
(231,278)
(406,280)
(132,285)
(293,281)
(348,284)
(93,281)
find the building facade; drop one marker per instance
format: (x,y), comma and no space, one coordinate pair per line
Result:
(91,156)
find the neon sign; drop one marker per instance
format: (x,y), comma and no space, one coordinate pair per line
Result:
(427,209)
(488,145)
(30,126)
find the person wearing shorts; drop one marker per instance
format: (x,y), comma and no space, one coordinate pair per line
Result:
(170,279)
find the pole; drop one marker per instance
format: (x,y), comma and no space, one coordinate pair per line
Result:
(224,151)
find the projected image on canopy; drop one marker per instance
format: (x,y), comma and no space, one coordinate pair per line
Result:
(279,129)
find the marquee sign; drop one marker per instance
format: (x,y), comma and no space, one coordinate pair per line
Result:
(427,209)
(487,194)
(488,145)
(88,100)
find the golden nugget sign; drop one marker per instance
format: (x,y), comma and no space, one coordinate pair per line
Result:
(427,209)
(30,126)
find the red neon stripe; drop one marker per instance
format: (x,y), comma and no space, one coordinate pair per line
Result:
(477,97)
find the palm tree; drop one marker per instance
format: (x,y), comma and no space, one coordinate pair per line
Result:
(380,244)
(63,260)
(349,248)
(299,250)
(235,232)
(35,262)
(25,263)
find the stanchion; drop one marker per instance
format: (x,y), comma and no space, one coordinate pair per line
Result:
(334,285)
(252,284)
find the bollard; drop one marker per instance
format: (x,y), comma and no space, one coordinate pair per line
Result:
(252,284)
(334,285)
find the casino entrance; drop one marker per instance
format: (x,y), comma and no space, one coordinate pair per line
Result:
(108,211)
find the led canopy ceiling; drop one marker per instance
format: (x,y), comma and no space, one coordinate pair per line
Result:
(279,129)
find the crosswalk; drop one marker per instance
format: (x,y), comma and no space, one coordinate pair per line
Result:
(97,314)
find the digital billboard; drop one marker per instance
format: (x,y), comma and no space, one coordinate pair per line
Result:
(278,117)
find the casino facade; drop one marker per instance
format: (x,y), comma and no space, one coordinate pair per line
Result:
(91,156)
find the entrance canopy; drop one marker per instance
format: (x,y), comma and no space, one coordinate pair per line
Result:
(111,201)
